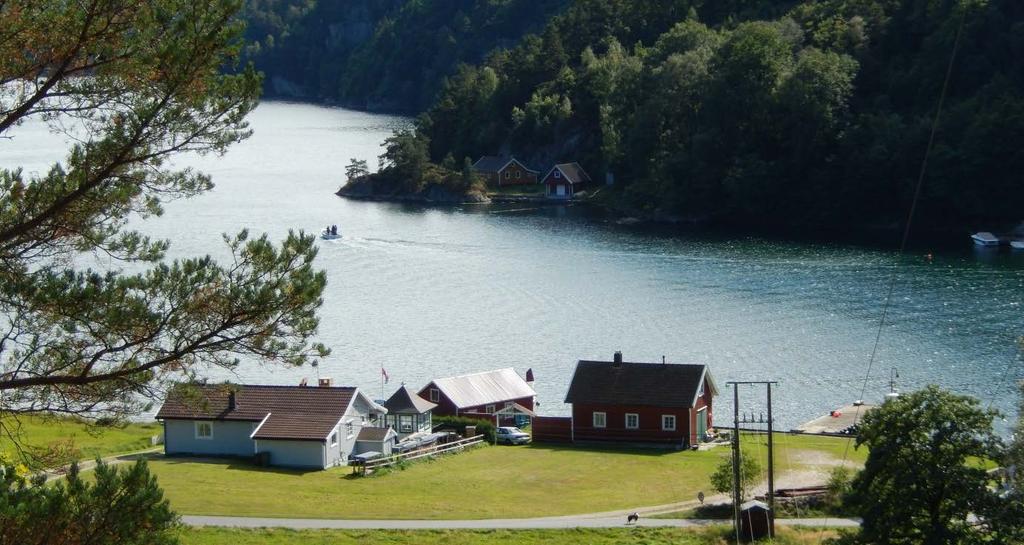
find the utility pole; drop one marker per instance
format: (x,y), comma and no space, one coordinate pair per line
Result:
(736,458)
(736,455)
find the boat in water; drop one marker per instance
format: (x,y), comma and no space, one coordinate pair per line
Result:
(984,238)
(1017,244)
(330,233)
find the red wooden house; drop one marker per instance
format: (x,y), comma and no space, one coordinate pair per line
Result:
(502,392)
(652,403)
(499,171)
(565,180)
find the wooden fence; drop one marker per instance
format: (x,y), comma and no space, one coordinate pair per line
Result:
(425,452)
(552,429)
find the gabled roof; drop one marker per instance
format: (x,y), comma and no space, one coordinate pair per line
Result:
(405,401)
(571,172)
(651,384)
(375,435)
(483,388)
(285,412)
(495,163)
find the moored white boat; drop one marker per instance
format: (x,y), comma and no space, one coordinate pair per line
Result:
(1017,244)
(984,238)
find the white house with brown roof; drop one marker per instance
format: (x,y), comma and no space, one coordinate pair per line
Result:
(295,426)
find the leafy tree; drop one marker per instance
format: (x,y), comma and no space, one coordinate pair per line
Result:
(405,156)
(923,476)
(750,475)
(356,169)
(117,507)
(138,84)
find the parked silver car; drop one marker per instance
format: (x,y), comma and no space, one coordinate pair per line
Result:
(512,436)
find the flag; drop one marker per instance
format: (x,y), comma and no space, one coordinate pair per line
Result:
(384,375)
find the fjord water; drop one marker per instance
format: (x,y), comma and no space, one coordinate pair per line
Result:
(434,291)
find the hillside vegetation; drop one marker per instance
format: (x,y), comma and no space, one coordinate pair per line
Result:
(773,113)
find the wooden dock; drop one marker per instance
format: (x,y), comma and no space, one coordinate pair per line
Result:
(837,421)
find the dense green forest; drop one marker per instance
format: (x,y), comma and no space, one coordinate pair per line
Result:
(383,55)
(812,113)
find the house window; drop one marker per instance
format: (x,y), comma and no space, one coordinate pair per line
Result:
(348,429)
(204,430)
(489,409)
(434,395)
(334,439)
(700,392)
(508,174)
(519,174)
(508,404)
(405,423)
(600,420)
(558,174)
(668,422)
(632,421)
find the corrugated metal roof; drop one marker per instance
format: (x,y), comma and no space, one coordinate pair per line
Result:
(484,388)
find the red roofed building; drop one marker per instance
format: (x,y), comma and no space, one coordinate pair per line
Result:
(481,394)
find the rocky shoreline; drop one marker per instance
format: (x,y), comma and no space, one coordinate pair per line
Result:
(434,194)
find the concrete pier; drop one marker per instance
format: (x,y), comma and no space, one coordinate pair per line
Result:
(837,421)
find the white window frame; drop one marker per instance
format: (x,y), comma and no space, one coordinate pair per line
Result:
(509,404)
(604,419)
(636,426)
(199,424)
(519,174)
(675,422)
(334,438)
(349,429)
(558,174)
(435,395)
(489,409)
(700,392)
(406,423)
(508,174)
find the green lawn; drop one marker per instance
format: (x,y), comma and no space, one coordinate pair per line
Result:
(616,536)
(488,482)
(75,437)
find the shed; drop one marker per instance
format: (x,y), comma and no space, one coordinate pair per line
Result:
(380,440)
(408,413)
(755,521)
(565,180)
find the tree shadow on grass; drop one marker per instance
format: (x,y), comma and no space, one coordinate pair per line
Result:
(603,449)
(237,464)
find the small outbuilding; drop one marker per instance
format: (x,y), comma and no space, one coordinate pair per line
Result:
(376,440)
(755,521)
(565,180)
(501,171)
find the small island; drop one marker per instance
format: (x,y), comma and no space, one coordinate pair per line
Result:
(407,175)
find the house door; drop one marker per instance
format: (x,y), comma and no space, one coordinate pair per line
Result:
(561,190)
(702,424)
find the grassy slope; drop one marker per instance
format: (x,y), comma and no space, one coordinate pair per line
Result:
(87,442)
(489,482)
(617,536)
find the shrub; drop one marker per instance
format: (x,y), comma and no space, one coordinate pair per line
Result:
(459,423)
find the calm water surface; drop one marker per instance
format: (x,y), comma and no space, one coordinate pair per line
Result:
(430,292)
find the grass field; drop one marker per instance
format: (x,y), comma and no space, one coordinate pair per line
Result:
(617,536)
(84,442)
(488,482)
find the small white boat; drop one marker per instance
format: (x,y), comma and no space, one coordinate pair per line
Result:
(330,234)
(984,238)
(1017,244)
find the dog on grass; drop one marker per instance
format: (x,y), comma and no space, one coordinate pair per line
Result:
(632,518)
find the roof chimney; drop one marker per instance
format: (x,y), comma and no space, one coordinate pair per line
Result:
(325,382)
(304,382)
(529,375)
(663,360)
(232,401)
(617,360)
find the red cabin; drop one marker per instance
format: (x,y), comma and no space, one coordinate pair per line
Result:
(482,395)
(667,404)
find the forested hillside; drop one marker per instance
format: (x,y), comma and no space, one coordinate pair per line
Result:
(810,113)
(383,55)
(786,113)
